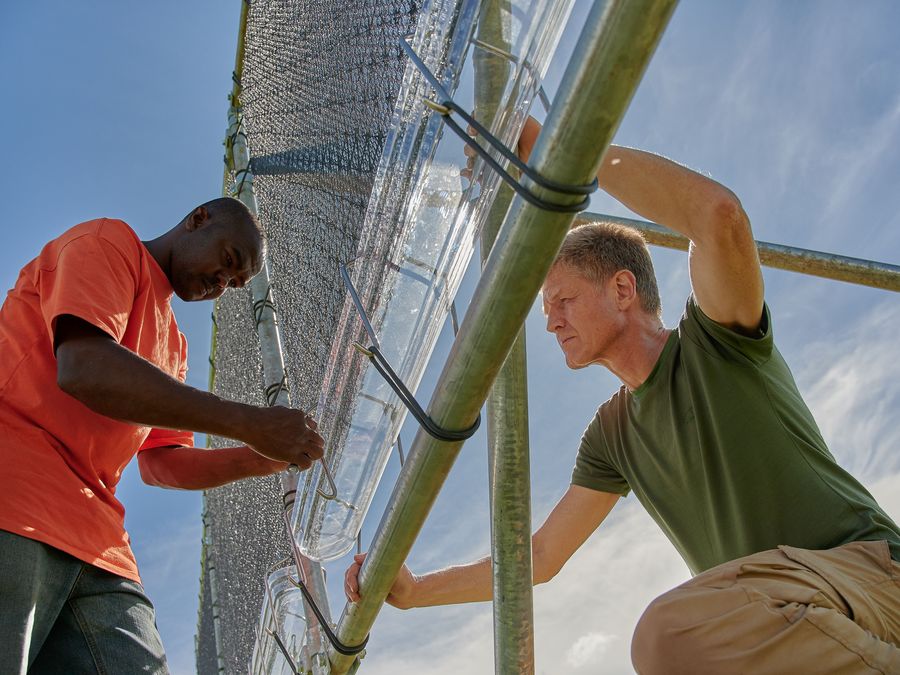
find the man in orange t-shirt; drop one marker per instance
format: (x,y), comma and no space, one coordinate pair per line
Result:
(92,369)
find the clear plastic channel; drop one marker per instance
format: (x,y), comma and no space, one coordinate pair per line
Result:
(283,615)
(418,238)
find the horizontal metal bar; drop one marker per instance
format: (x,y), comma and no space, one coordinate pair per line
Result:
(790,258)
(614,48)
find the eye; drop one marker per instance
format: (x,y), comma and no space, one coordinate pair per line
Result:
(229,261)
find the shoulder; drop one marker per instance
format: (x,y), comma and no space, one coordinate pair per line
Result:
(100,234)
(606,415)
(118,234)
(716,340)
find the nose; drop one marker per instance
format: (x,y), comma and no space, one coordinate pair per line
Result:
(554,320)
(224,280)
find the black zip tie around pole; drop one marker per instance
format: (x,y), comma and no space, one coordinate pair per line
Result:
(260,306)
(447,105)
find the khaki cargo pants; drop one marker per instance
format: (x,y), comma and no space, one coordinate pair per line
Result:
(787,610)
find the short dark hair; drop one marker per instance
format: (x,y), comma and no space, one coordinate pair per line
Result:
(599,250)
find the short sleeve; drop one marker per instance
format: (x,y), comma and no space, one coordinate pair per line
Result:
(593,469)
(91,279)
(724,342)
(163,438)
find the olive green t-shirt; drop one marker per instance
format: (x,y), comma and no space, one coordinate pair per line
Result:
(721,450)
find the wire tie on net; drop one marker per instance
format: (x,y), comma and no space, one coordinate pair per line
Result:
(273,391)
(446,106)
(390,376)
(260,306)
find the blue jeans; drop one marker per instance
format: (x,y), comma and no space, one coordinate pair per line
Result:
(61,615)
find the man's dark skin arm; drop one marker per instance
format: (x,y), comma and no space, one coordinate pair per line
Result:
(113,381)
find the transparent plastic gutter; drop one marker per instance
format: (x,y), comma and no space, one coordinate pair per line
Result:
(283,614)
(419,235)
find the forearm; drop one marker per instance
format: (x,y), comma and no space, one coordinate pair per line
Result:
(198,469)
(665,192)
(471,582)
(116,383)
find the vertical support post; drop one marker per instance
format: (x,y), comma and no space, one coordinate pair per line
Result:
(507,406)
(274,374)
(237,160)
(210,570)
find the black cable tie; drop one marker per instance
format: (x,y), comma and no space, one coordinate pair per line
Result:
(407,399)
(260,306)
(273,391)
(242,173)
(447,105)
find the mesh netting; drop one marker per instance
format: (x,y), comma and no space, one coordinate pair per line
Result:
(320,82)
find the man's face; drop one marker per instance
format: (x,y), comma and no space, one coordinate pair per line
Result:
(212,257)
(582,314)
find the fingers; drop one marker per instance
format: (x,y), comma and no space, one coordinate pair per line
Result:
(351,578)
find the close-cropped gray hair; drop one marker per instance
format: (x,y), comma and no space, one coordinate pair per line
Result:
(599,250)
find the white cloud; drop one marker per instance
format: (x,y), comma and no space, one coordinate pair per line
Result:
(588,648)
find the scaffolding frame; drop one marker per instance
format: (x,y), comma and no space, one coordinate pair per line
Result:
(609,59)
(487,361)
(791,258)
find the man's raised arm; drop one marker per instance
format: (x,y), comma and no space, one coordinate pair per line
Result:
(570,523)
(724,263)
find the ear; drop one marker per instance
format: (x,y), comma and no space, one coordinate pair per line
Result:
(198,218)
(625,288)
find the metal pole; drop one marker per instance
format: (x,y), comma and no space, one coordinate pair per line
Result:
(507,406)
(210,577)
(790,258)
(238,161)
(614,48)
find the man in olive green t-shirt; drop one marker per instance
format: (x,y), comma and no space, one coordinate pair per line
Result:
(796,564)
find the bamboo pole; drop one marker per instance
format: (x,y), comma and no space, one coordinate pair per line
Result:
(815,263)
(614,48)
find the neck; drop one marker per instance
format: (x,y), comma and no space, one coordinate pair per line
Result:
(161,251)
(639,349)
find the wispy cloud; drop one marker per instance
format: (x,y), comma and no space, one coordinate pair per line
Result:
(851,384)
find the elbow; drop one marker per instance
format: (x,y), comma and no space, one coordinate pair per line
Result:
(543,568)
(729,221)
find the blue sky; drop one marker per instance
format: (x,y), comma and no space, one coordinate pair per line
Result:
(118,109)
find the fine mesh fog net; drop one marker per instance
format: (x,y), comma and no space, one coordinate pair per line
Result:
(320,81)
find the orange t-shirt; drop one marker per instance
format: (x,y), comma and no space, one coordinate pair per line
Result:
(60,462)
